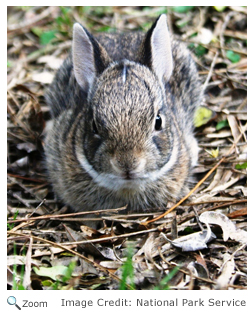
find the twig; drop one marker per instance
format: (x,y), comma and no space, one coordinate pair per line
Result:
(212,47)
(27,273)
(226,202)
(28,23)
(211,70)
(114,237)
(223,28)
(27,178)
(54,216)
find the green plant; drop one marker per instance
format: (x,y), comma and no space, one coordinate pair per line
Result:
(222,124)
(11,225)
(241,166)
(18,285)
(128,271)
(60,274)
(164,283)
(182,9)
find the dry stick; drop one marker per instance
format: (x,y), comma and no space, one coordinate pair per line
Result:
(101,268)
(23,25)
(197,186)
(55,216)
(212,46)
(223,28)
(210,71)
(102,239)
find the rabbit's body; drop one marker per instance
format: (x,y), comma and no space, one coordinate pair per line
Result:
(122,127)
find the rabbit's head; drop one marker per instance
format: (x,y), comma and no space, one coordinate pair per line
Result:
(126,141)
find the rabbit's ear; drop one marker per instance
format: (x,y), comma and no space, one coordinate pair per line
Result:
(89,57)
(157,49)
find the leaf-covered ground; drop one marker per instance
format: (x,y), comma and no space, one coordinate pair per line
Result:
(204,239)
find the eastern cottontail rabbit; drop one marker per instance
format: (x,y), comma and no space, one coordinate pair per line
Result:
(122,109)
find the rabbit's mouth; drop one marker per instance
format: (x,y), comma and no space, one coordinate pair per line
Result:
(137,179)
(115,183)
(128,171)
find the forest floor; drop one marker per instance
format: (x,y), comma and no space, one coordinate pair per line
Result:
(49,248)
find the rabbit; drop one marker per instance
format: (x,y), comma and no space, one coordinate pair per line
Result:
(122,133)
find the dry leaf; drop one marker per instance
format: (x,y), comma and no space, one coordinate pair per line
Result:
(226,96)
(192,242)
(228,227)
(43,78)
(233,126)
(227,271)
(51,61)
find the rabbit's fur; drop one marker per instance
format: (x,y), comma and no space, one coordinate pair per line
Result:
(122,109)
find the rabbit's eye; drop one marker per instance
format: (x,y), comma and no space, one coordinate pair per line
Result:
(95,130)
(158,124)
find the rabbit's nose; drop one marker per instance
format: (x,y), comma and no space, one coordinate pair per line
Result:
(128,167)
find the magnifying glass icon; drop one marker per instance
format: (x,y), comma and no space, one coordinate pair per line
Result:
(12,301)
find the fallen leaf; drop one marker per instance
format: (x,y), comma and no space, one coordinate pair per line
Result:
(233,126)
(28,146)
(193,242)
(51,61)
(204,36)
(54,272)
(44,77)
(220,8)
(202,116)
(227,271)
(228,227)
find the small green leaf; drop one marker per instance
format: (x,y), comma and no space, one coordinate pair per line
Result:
(188,230)
(220,8)
(181,23)
(53,272)
(162,10)
(202,116)
(182,9)
(65,10)
(222,124)
(47,283)
(128,271)
(46,37)
(232,56)
(11,225)
(37,31)
(86,9)
(69,272)
(241,166)
(200,50)
(105,29)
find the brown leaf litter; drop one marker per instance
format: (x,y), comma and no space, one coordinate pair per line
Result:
(41,234)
